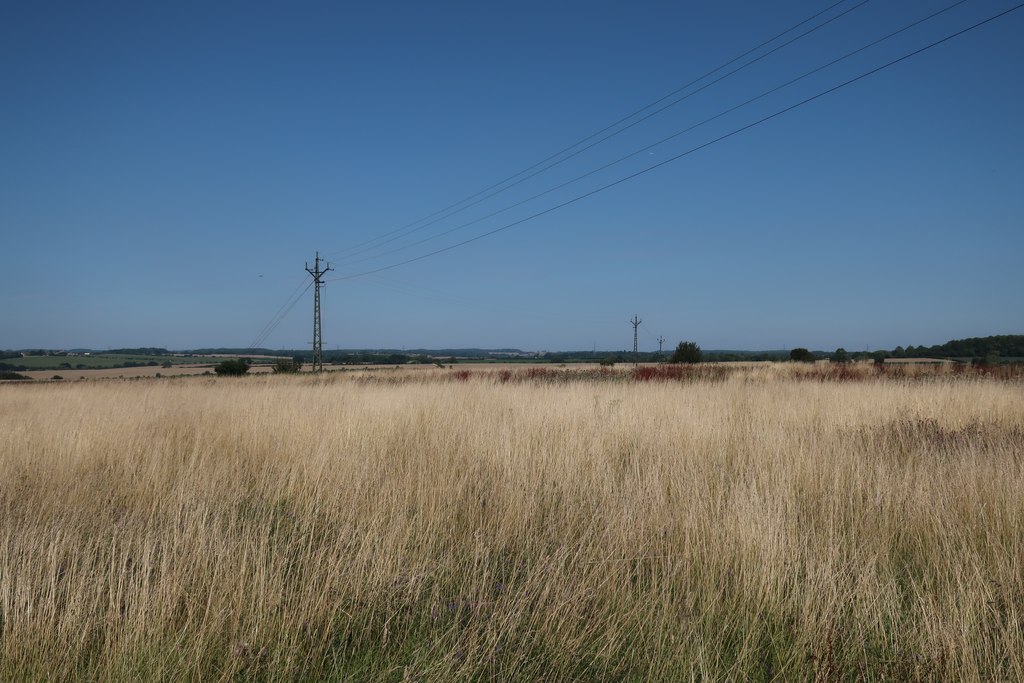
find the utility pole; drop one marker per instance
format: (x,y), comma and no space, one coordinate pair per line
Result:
(661,343)
(636,323)
(318,342)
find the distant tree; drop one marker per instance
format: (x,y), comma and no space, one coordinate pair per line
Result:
(840,356)
(166,364)
(686,352)
(801,355)
(608,361)
(232,368)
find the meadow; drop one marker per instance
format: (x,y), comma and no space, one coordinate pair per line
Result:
(761,522)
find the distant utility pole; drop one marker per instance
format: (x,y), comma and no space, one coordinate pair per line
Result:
(661,344)
(318,342)
(636,323)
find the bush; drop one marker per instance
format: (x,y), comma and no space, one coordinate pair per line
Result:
(840,356)
(686,352)
(801,355)
(7,374)
(286,366)
(232,368)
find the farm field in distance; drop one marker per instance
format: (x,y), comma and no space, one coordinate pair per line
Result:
(105,360)
(723,522)
(124,365)
(262,365)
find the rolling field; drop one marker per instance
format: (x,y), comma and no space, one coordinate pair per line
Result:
(762,522)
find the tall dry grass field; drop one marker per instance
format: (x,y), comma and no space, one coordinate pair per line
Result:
(765,523)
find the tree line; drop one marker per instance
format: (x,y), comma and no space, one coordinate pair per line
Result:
(991,350)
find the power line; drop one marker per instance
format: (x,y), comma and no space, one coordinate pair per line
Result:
(690,151)
(619,121)
(280,317)
(281,314)
(263,331)
(662,140)
(403,232)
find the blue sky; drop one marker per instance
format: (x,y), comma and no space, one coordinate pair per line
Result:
(166,170)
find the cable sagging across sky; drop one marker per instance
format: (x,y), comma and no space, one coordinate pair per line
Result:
(691,150)
(661,141)
(436,216)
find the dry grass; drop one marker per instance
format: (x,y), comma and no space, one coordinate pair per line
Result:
(754,525)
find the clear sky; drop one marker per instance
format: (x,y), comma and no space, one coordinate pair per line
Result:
(166,170)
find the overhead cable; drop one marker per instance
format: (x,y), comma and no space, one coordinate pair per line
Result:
(281,313)
(617,123)
(690,151)
(543,168)
(661,141)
